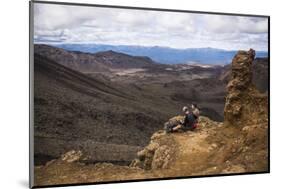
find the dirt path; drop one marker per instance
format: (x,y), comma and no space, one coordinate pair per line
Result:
(193,151)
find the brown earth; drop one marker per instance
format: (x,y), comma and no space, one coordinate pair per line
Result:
(212,149)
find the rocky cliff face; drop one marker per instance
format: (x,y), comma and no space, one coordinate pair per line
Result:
(237,145)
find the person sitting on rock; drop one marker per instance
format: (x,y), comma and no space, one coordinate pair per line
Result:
(189,122)
(191,118)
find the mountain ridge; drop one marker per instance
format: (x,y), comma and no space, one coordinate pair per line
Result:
(165,55)
(95,62)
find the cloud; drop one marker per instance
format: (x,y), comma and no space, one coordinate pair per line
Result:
(74,24)
(235,24)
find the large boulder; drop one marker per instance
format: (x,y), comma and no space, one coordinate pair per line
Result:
(71,156)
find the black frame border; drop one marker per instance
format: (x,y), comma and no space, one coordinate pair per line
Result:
(31,78)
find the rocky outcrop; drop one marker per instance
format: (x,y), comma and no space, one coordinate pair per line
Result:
(157,155)
(165,150)
(244,103)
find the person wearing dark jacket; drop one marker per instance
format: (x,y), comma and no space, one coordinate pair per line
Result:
(190,119)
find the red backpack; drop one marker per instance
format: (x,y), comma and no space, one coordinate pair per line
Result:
(195,125)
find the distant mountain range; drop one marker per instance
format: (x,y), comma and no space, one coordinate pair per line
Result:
(164,55)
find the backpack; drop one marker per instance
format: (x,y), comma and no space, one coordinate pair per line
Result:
(195,125)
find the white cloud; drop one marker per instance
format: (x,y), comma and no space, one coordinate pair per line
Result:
(235,24)
(72,24)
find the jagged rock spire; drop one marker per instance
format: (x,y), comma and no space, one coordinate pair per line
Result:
(243,101)
(241,76)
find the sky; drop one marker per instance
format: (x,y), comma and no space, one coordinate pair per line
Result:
(62,24)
